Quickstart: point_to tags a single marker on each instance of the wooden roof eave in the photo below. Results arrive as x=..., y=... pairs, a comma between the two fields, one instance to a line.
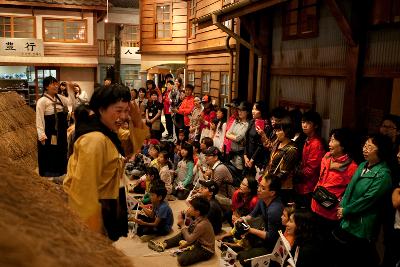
x=235, y=10
x=8, y=3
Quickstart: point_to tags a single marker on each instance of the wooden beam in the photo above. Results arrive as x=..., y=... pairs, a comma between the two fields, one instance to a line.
x=342, y=22
x=318, y=72
x=382, y=72
x=46, y=5
x=234, y=35
x=349, y=104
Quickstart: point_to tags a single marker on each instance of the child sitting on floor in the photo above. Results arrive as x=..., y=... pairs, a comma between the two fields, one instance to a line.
x=158, y=220
x=197, y=239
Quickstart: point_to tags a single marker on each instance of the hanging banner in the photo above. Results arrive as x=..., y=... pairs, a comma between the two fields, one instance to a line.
x=21, y=47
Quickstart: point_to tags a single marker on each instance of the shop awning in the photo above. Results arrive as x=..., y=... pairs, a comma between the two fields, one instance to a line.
x=238, y=9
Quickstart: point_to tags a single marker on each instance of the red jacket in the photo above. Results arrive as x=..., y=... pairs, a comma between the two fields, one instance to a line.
x=240, y=204
x=313, y=151
x=186, y=108
x=167, y=102
x=335, y=175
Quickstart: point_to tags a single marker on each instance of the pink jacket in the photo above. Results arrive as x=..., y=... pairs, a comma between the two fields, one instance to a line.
x=313, y=151
x=335, y=175
x=228, y=142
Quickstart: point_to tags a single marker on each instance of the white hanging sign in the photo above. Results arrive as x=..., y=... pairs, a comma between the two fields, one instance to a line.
x=21, y=47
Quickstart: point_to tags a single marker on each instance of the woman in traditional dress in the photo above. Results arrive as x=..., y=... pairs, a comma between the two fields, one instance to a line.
x=51, y=125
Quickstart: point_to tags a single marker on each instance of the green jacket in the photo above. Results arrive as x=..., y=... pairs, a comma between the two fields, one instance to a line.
x=362, y=200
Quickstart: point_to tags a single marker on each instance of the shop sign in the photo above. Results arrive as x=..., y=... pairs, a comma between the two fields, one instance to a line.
x=21, y=47
x=129, y=52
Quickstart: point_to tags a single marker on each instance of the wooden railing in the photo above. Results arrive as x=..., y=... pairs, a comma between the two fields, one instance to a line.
x=107, y=47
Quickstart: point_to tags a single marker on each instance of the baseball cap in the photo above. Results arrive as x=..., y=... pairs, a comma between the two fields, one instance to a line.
x=212, y=151
x=211, y=185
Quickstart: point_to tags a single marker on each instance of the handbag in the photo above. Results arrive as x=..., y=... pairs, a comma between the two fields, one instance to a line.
x=324, y=197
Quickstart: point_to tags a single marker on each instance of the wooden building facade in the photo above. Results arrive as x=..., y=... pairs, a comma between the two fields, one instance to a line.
x=339, y=57
x=169, y=35
x=40, y=38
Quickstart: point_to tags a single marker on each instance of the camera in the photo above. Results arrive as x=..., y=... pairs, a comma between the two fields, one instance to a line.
x=241, y=228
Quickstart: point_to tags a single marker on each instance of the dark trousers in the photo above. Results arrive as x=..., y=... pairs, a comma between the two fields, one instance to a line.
x=169, y=124
x=392, y=249
x=190, y=256
x=353, y=251
x=251, y=253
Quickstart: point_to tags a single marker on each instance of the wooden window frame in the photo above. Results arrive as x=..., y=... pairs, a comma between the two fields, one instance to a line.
x=202, y=82
x=64, y=20
x=157, y=4
x=223, y=88
x=12, y=25
x=191, y=32
x=300, y=9
x=130, y=42
x=194, y=77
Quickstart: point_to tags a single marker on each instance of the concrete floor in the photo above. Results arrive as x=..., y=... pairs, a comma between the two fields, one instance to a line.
x=141, y=255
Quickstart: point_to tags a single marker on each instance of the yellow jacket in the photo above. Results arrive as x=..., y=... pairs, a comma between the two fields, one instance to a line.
x=94, y=172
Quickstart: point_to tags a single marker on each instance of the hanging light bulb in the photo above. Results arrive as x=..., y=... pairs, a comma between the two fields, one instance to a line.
x=106, y=20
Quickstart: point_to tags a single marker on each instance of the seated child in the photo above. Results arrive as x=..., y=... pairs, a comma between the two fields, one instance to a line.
x=151, y=176
x=165, y=170
x=198, y=237
x=158, y=220
x=184, y=180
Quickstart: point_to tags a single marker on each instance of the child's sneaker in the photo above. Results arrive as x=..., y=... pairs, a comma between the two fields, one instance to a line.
x=157, y=246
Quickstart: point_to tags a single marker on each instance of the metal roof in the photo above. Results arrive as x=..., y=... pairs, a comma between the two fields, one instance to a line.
x=125, y=3
x=59, y=3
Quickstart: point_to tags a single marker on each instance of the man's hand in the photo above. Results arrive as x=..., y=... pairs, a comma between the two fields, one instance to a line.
x=340, y=213
x=136, y=115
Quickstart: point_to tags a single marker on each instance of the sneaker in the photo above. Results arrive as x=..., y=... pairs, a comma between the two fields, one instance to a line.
x=156, y=245
x=147, y=238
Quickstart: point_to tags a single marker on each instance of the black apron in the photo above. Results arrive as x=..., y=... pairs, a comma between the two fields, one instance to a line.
x=52, y=156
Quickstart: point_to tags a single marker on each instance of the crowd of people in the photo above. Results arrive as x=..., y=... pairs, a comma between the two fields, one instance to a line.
x=259, y=172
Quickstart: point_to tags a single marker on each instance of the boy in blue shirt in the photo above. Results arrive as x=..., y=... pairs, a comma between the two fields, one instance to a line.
x=158, y=221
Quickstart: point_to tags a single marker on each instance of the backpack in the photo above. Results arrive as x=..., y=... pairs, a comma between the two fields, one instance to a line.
x=237, y=176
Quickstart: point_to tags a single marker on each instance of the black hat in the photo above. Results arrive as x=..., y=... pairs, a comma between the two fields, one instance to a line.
x=244, y=105
x=211, y=186
x=212, y=151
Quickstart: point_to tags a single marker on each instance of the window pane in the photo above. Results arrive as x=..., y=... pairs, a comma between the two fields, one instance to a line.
x=75, y=30
x=54, y=30
x=166, y=16
x=167, y=8
x=24, y=35
x=291, y=17
x=159, y=13
x=308, y=19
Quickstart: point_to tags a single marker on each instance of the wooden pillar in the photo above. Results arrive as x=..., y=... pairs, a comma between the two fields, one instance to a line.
x=250, y=81
x=117, y=73
x=349, y=117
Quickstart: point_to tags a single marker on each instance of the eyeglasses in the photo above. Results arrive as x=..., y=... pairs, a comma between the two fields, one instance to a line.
x=369, y=148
